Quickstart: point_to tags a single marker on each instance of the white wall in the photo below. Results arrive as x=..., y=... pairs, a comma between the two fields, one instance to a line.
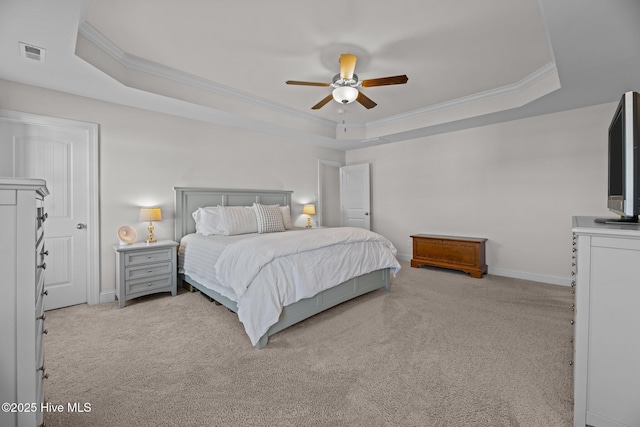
x=143, y=155
x=516, y=183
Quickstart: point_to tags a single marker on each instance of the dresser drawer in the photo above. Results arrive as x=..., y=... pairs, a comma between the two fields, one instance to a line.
x=151, y=284
x=143, y=257
x=150, y=270
x=39, y=283
x=39, y=304
x=39, y=343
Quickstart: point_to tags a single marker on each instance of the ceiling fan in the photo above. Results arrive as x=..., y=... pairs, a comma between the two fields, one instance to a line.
x=346, y=84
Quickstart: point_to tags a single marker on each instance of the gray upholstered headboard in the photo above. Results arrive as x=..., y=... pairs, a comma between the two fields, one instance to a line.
x=188, y=199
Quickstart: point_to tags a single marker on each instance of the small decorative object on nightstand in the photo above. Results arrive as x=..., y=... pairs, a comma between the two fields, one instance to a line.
x=309, y=210
x=127, y=235
x=150, y=214
x=143, y=269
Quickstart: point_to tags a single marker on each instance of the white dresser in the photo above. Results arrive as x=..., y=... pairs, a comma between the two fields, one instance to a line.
x=22, y=264
x=607, y=324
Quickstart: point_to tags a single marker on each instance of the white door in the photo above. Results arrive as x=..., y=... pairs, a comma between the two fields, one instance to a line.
x=60, y=155
x=355, y=196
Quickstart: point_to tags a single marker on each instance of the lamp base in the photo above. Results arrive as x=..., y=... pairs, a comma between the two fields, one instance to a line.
x=150, y=237
x=308, y=222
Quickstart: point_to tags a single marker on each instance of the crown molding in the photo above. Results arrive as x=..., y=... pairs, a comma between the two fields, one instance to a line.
x=502, y=98
x=537, y=76
x=136, y=63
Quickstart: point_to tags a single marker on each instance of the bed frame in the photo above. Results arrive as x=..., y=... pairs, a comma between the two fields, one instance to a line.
x=188, y=199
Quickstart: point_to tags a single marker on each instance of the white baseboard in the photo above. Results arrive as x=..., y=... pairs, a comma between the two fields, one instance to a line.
x=109, y=296
x=552, y=280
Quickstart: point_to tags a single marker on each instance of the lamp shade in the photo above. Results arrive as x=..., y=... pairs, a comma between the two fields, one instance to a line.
x=309, y=209
x=150, y=214
x=345, y=94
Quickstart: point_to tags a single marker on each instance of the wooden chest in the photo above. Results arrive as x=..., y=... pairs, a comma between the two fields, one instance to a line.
x=466, y=254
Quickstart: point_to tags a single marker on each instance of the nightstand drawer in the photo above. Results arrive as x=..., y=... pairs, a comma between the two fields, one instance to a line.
x=149, y=270
x=150, y=284
x=143, y=257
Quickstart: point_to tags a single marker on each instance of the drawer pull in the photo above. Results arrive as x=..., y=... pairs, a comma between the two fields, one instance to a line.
x=573, y=283
x=45, y=293
x=43, y=266
x=45, y=331
x=149, y=271
x=44, y=217
x=45, y=253
x=41, y=368
x=45, y=376
x=149, y=284
x=41, y=317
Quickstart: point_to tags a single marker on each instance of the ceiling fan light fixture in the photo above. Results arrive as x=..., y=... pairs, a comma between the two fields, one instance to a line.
x=345, y=94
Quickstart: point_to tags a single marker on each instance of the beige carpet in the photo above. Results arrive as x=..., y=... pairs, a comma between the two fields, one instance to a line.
x=438, y=349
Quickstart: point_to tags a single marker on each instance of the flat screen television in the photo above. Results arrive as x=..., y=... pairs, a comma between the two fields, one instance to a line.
x=624, y=159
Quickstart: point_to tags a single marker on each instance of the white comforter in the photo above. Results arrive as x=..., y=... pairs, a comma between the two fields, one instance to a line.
x=266, y=272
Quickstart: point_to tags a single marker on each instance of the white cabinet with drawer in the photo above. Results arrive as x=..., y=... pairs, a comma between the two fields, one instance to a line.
x=607, y=342
x=145, y=268
x=22, y=325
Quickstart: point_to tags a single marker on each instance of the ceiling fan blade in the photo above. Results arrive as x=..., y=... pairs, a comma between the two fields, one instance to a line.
x=365, y=101
x=323, y=102
x=383, y=81
x=295, y=82
x=347, y=66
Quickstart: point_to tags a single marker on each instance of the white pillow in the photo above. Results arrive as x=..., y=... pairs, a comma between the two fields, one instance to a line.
x=238, y=220
x=269, y=218
x=286, y=217
x=208, y=221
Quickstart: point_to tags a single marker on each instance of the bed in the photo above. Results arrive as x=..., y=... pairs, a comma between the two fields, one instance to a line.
x=190, y=199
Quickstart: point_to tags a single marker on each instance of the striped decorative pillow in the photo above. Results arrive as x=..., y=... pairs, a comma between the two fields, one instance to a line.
x=269, y=218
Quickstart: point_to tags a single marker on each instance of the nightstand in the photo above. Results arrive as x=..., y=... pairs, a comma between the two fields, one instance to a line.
x=144, y=269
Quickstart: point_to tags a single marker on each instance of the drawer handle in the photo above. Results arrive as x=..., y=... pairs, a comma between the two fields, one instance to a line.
x=150, y=271
x=45, y=331
x=41, y=317
x=41, y=368
x=44, y=217
x=149, y=284
x=46, y=253
x=45, y=293
x=43, y=266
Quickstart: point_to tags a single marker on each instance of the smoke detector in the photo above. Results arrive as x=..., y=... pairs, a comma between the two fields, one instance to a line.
x=32, y=52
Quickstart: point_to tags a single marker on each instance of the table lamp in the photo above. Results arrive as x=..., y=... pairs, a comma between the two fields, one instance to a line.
x=150, y=214
x=309, y=210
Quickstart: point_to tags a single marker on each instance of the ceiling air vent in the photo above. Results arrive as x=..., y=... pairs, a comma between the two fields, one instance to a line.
x=32, y=52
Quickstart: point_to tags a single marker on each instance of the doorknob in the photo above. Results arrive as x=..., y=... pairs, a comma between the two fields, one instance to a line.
x=81, y=226
x=366, y=213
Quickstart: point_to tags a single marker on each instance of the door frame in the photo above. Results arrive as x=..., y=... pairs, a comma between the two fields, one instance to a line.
x=93, y=200
x=322, y=162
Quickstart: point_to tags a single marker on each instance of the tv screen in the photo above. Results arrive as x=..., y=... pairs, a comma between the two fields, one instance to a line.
x=624, y=159
x=616, y=155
